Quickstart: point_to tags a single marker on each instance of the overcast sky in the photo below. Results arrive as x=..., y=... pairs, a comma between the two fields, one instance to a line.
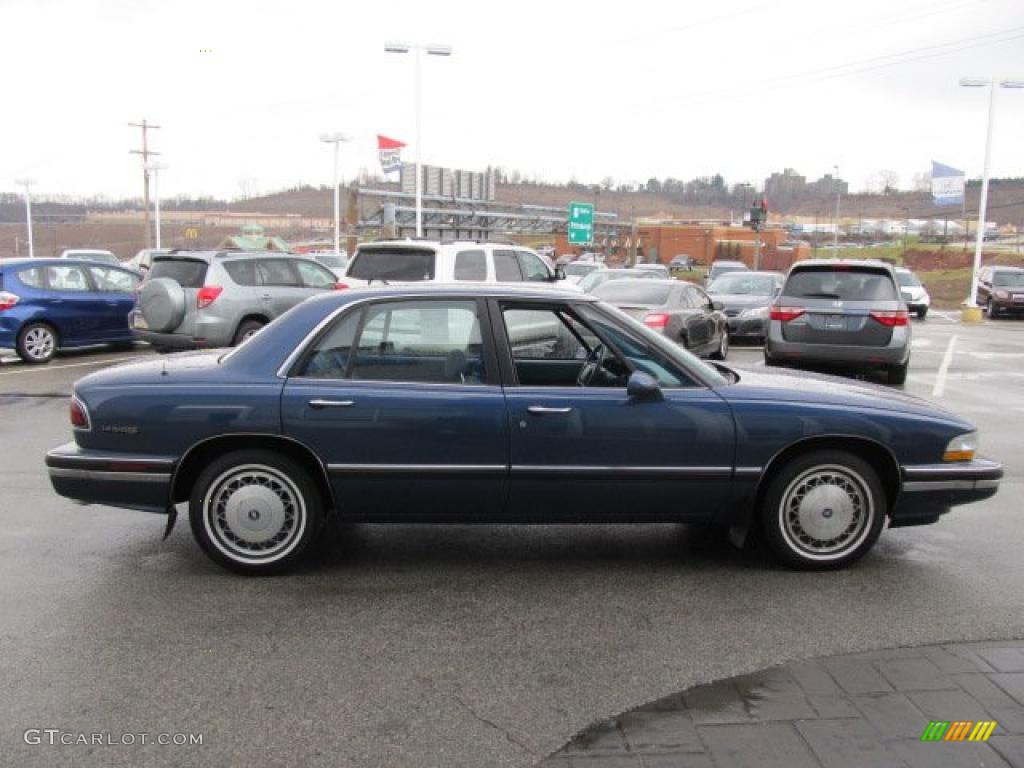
x=556, y=90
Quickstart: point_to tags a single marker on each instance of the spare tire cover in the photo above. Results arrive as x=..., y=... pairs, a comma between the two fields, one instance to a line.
x=162, y=302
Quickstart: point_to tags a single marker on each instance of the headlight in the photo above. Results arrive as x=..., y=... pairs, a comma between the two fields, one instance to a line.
x=961, y=448
x=756, y=312
x=1002, y=295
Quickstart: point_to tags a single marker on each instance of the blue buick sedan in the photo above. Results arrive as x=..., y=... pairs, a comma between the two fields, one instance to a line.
x=503, y=404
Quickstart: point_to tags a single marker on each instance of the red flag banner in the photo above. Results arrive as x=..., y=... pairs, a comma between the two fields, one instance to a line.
x=390, y=151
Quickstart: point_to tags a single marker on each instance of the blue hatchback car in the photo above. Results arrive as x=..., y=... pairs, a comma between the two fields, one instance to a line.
x=51, y=304
x=495, y=403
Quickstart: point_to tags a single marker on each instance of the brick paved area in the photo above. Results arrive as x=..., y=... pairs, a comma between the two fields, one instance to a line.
x=863, y=709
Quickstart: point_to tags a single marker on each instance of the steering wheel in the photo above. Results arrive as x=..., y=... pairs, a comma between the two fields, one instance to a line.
x=593, y=363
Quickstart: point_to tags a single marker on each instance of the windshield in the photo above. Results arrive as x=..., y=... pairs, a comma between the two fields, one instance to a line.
x=576, y=269
x=846, y=284
x=1008, y=279
x=651, y=293
x=907, y=280
x=393, y=264
x=737, y=282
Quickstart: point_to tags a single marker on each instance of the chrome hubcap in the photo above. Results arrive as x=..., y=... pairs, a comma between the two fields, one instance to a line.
x=39, y=343
x=254, y=513
x=826, y=512
x=724, y=347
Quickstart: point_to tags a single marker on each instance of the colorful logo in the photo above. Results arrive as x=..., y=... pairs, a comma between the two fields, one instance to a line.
x=958, y=730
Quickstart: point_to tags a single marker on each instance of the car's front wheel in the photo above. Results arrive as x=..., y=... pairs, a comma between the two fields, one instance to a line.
x=37, y=343
x=255, y=512
x=823, y=510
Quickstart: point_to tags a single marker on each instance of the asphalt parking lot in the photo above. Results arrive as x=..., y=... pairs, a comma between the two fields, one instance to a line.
x=454, y=645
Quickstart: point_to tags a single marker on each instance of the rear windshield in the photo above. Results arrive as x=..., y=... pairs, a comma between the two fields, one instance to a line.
x=720, y=268
x=1008, y=279
x=738, y=282
x=190, y=273
x=634, y=291
x=398, y=264
x=845, y=284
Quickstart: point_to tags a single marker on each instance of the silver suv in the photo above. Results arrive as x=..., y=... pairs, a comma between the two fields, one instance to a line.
x=204, y=299
x=417, y=261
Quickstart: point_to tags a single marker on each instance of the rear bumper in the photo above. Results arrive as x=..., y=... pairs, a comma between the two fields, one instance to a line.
x=206, y=332
x=123, y=480
x=896, y=352
x=930, y=490
x=742, y=327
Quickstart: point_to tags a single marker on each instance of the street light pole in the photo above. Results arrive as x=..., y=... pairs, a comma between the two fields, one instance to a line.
x=835, y=234
x=417, y=50
x=979, y=238
x=336, y=139
x=27, y=184
x=154, y=169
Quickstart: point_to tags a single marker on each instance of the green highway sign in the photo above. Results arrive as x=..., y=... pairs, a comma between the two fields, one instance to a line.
x=581, y=223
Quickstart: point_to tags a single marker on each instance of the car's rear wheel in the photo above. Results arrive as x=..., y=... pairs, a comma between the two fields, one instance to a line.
x=922, y=313
x=990, y=309
x=246, y=331
x=823, y=510
x=37, y=343
x=898, y=373
x=255, y=512
x=770, y=361
x=723, y=347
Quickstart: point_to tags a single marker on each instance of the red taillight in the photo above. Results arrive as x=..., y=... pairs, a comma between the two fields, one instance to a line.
x=207, y=295
x=656, y=320
x=891, y=317
x=785, y=314
x=7, y=300
x=79, y=418
x=341, y=286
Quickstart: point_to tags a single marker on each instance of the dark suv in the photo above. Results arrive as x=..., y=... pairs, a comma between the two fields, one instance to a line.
x=843, y=313
x=1001, y=290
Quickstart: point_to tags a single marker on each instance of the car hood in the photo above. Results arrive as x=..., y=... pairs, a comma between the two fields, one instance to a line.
x=785, y=385
x=741, y=300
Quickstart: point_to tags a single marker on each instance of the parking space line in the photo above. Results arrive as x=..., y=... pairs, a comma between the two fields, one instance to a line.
x=946, y=315
x=43, y=368
x=940, y=380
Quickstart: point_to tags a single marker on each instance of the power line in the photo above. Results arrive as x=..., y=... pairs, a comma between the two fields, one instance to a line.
x=145, y=152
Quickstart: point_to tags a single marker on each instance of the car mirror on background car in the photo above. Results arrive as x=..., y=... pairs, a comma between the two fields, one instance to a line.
x=559, y=273
x=643, y=386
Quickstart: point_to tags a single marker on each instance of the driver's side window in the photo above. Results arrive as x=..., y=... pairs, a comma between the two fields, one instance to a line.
x=550, y=347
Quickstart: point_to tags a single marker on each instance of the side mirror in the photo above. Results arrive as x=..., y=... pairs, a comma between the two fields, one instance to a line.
x=643, y=386
x=559, y=274
x=717, y=305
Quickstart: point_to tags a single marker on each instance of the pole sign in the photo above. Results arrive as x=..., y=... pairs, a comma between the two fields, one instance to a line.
x=581, y=223
x=947, y=185
x=390, y=152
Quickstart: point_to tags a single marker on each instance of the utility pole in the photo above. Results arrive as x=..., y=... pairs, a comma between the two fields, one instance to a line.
x=27, y=184
x=835, y=235
x=145, y=152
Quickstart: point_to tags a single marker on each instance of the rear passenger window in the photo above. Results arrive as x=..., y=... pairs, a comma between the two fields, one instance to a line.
x=33, y=278
x=330, y=356
x=471, y=265
x=506, y=267
x=67, y=278
x=420, y=341
x=275, y=272
x=113, y=280
x=242, y=272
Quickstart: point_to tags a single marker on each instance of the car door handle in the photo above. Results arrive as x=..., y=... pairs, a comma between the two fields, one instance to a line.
x=265, y=296
x=318, y=403
x=546, y=409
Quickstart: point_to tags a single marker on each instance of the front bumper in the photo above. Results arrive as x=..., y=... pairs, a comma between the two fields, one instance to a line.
x=930, y=490
x=131, y=481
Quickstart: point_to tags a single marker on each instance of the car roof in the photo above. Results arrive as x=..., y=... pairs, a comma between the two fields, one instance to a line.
x=462, y=290
x=87, y=250
x=210, y=256
x=1006, y=268
x=875, y=263
x=656, y=281
x=50, y=261
x=758, y=272
x=729, y=263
